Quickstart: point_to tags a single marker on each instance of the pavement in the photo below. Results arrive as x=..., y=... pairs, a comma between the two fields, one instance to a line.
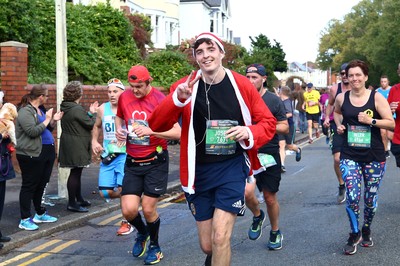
x=66, y=219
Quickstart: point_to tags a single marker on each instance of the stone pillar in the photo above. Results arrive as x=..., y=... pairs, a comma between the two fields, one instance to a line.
x=14, y=70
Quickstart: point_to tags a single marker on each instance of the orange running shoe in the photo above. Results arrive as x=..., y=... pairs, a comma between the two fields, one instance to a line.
x=125, y=229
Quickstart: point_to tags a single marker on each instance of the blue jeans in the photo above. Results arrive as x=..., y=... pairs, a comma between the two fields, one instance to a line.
x=302, y=121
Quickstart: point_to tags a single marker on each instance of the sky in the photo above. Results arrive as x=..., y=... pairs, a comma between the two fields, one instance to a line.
x=295, y=24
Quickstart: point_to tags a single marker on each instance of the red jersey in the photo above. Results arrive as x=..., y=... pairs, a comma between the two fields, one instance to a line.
x=394, y=96
x=131, y=108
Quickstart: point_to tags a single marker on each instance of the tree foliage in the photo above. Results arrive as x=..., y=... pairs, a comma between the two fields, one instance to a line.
x=99, y=39
x=141, y=31
x=167, y=66
x=271, y=56
x=370, y=33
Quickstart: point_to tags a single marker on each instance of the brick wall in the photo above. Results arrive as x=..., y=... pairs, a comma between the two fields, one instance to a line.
x=14, y=81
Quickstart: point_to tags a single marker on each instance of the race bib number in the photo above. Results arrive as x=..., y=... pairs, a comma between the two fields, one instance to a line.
x=216, y=142
x=109, y=127
x=132, y=137
x=359, y=136
x=266, y=160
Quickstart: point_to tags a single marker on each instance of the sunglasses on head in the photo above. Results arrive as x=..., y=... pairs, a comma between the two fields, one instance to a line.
x=343, y=73
x=113, y=81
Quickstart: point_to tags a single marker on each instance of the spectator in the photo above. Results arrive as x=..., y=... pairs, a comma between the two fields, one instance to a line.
x=35, y=154
x=7, y=171
x=75, y=142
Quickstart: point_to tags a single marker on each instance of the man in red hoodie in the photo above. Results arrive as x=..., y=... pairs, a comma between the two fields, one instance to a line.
x=224, y=122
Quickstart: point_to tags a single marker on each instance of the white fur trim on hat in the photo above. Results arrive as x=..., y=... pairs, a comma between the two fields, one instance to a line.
x=208, y=35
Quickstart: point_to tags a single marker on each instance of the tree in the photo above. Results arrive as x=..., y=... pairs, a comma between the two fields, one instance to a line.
x=100, y=44
x=271, y=56
x=370, y=33
x=141, y=31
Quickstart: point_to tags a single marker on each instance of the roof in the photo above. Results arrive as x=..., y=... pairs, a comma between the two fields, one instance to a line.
x=211, y=3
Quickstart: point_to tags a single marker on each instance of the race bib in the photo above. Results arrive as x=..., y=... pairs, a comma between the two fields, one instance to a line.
x=132, y=137
x=112, y=147
x=216, y=142
x=109, y=127
x=359, y=136
x=266, y=160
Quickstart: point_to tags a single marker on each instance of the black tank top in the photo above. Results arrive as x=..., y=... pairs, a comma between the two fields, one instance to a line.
x=376, y=151
x=339, y=89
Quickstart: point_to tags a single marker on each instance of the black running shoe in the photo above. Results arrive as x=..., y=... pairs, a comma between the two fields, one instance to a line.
x=366, y=237
x=351, y=247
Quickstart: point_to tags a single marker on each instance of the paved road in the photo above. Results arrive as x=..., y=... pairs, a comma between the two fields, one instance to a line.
x=315, y=228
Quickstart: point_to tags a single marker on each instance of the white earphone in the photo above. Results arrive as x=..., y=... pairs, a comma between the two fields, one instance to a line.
x=263, y=80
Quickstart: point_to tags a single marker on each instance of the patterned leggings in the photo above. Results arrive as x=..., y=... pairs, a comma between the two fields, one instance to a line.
x=352, y=174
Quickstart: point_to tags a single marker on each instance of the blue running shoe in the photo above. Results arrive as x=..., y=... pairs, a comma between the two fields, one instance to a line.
x=44, y=218
x=140, y=245
x=154, y=255
x=275, y=240
x=28, y=224
x=255, y=230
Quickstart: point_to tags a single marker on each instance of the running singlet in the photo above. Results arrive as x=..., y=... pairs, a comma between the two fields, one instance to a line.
x=362, y=143
x=109, y=139
x=132, y=109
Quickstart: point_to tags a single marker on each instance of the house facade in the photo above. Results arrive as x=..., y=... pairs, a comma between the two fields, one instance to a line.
x=164, y=16
x=320, y=78
x=205, y=16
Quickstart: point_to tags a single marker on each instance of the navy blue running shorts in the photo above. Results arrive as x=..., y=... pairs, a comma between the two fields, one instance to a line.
x=219, y=185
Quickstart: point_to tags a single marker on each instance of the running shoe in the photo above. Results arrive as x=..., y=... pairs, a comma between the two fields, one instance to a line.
x=341, y=194
x=298, y=155
x=125, y=229
x=351, y=247
x=317, y=134
x=140, y=246
x=310, y=141
x=28, y=224
x=387, y=154
x=154, y=255
x=275, y=240
x=283, y=169
x=255, y=230
x=366, y=237
x=44, y=218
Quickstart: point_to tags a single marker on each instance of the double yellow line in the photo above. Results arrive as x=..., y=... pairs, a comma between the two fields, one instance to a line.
x=162, y=204
x=38, y=249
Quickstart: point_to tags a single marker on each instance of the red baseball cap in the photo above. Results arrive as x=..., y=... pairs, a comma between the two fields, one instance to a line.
x=138, y=74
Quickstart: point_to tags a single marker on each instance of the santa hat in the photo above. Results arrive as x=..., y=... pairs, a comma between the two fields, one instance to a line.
x=209, y=35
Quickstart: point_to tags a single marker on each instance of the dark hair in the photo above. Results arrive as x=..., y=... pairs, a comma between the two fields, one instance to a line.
x=384, y=77
x=207, y=41
x=72, y=91
x=36, y=92
x=358, y=63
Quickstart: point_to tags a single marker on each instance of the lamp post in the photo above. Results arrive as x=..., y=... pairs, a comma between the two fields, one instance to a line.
x=62, y=80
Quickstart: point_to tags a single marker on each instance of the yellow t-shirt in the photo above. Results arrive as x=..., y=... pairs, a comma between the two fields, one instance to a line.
x=313, y=96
